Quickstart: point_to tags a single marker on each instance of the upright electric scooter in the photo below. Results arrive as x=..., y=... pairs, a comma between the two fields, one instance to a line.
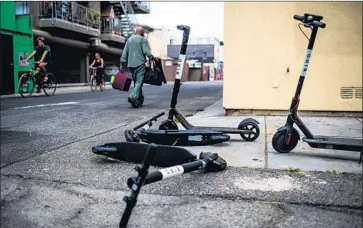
x=286, y=137
x=168, y=132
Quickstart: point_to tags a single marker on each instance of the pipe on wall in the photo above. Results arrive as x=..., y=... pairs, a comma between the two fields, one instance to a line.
x=112, y=50
x=76, y=43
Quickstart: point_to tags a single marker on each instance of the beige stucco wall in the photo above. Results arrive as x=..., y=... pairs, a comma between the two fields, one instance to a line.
x=158, y=41
x=262, y=40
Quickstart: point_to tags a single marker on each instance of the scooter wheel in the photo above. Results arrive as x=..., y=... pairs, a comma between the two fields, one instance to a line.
x=168, y=125
x=130, y=136
x=252, y=127
x=278, y=141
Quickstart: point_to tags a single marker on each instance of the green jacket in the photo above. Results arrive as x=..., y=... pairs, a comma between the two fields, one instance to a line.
x=135, y=52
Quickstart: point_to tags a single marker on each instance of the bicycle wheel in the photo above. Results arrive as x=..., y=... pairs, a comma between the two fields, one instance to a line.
x=93, y=83
x=102, y=84
x=26, y=85
x=50, y=85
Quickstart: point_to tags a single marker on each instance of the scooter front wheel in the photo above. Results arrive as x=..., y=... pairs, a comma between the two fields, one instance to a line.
x=130, y=136
x=168, y=125
x=278, y=141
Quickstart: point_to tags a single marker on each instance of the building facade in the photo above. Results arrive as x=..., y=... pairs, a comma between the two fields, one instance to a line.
x=202, y=53
x=267, y=54
x=16, y=42
x=75, y=31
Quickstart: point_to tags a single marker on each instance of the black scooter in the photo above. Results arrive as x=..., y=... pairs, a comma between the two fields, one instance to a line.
x=286, y=137
x=168, y=133
x=207, y=162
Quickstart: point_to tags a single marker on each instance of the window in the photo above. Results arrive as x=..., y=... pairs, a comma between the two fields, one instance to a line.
x=21, y=8
x=205, y=55
x=193, y=54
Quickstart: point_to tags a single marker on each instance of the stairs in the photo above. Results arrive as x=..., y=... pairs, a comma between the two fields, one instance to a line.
x=124, y=11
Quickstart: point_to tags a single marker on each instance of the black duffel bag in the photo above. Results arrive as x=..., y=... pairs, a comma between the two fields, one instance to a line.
x=154, y=74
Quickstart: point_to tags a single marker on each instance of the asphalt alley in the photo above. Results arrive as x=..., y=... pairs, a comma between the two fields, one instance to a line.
x=35, y=125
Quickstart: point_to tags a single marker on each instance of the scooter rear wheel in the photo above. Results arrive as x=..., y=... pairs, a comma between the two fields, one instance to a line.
x=278, y=141
x=168, y=125
x=249, y=126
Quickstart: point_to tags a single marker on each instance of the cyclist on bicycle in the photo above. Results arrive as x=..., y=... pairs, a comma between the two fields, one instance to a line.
x=98, y=63
x=42, y=59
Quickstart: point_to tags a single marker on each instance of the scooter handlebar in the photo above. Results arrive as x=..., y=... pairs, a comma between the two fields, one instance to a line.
x=183, y=27
x=318, y=24
x=311, y=19
x=298, y=17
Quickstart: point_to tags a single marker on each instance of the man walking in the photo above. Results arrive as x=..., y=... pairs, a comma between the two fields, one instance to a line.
x=134, y=56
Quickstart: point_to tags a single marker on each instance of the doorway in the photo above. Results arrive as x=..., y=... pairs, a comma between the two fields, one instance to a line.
x=6, y=65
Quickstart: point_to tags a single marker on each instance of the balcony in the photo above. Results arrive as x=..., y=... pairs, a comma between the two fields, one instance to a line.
x=141, y=7
x=111, y=30
x=69, y=16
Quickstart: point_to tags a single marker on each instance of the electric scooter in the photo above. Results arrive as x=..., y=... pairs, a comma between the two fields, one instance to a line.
x=134, y=152
x=169, y=134
x=207, y=162
x=286, y=137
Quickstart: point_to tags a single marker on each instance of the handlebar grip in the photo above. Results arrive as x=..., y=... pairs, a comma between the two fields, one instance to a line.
x=319, y=24
x=183, y=27
x=298, y=17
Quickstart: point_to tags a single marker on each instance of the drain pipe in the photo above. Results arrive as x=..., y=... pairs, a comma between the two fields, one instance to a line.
x=112, y=50
x=76, y=43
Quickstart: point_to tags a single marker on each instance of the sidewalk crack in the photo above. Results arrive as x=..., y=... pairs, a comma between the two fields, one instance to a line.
x=265, y=149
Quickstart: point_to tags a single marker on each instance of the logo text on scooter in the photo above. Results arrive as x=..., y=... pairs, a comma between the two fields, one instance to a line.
x=306, y=62
x=180, y=68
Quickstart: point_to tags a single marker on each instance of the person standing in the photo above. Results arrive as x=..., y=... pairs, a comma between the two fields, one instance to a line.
x=134, y=57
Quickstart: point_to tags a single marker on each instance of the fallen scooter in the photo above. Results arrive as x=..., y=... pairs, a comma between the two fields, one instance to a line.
x=133, y=152
x=169, y=134
x=207, y=162
x=286, y=137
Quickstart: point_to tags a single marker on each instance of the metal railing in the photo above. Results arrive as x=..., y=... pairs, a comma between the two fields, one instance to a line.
x=145, y=5
x=111, y=26
x=71, y=12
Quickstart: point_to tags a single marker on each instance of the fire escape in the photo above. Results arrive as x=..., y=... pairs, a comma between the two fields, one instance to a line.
x=125, y=11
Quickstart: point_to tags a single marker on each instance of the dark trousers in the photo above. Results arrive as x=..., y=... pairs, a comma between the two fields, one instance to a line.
x=138, y=78
x=99, y=74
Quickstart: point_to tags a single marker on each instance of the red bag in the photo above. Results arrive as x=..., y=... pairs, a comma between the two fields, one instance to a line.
x=121, y=82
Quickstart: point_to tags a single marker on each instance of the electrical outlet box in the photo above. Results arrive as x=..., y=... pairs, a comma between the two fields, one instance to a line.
x=275, y=83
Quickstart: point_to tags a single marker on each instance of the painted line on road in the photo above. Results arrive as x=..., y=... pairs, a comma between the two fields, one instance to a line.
x=45, y=105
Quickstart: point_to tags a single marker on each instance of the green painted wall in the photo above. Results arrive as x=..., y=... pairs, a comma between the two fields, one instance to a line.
x=21, y=30
x=7, y=15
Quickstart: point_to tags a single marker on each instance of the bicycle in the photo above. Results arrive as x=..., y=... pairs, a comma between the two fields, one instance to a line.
x=27, y=83
x=93, y=80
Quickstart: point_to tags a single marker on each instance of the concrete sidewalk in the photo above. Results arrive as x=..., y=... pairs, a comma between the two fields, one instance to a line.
x=260, y=154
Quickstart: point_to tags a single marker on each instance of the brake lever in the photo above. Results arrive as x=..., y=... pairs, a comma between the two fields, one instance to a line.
x=307, y=25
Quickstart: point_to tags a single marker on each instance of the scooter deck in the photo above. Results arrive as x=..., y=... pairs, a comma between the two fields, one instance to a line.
x=226, y=130
x=336, y=143
x=194, y=131
x=193, y=137
x=135, y=152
